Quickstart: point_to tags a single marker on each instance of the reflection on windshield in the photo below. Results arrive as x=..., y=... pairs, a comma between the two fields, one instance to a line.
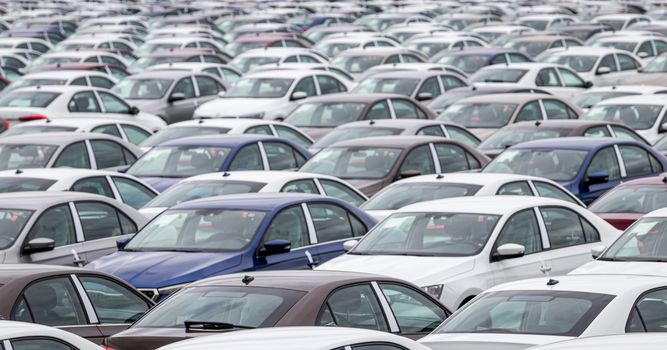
x=260, y=88
x=353, y=163
x=179, y=161
x=557, y=165
x=638, y=117
x=645, y=240
x=479, y=115
x=326, y=115
x=142, y=89
x=357, y=64
x=633, y=199
x=387, y=85
x=400, y=195
x=191, y=190
x=504, y=138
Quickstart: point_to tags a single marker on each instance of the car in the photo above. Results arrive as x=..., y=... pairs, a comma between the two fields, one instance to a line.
x=546, y=21
x=643, y=113
x=595, y=95
x=491, y=32
x=653, y=73
x=645, y=47
x=176, y=56
x=176, y=42
x=553, y=78
x=271, y=94
x=227, y=73
x=122, y=187
x=622, y=21
x=255, y=57
x=600, y=65
x=437, y=42
x=372, y=163
x=237, y=233
x=167, y=163
x=17, y=335
x=445, y=100
x=484, y=115
x=461, y=20
x=63, y=77
x=307, y=298
x=420, y=85
x=32, y=44
x=249, y=42
x=80, y=56
x=51, y=102
x=345, y=76
x=534, y=45
x=335, y=44
x=513, y=134
x=357, y=61
x=318, y=33
x=98, y=42
x=565, y=307
x=117, y=72
x=584, y=30
x=171, y=95
x=255, y=29
x=382, y=21
x=431, y=187
x=413, y=67
x=456, y=248
x=471, y=60
x=586, y=166
x=650, y=341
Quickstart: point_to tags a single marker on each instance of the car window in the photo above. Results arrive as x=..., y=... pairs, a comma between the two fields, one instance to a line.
x=430, y=86
x=208, y=86
x=113, y=104
x=301, y=186
x=625, y=134
x=518, y=188
x=522, y=228
x=550, y=191
x=39, y=343
x=109, y=129
x=113, y=303
x=329, y=85
x=564, y=227
x=626, y=62
x=51, y=302
x=383, y=346
x=636, y=160
x=306, y=85
x=55, y=223
x=406, y=110
x=597, y=131
x=392, y=59
x=408, y=58
x=547, y=77
x=379, y=110
x=73, y=156
x=453, y=158
x=108, y=154
x=291, y=59
x=414, y=312
x=280, y=156
x=185, y=87
x=609, y=62
x=79, y=82
x=292, y=135
x=420, y=160
x=530, y=111
x=84, y=101
x=259, y=130
x=132, y=193
x=461, y=135
x=499, y=59
x=101, y=82
x=605, y=162
x=647, y=48
x=307, y=59
x=648, y=313
x=100, y=220
x=247, y=158
x=450, y=82
x=516, y=58
x=213, y=71
x=134, y=134
x=570, y=79
x=660, y=46
x=354, y=306
x=112, y=60
x=289, y=225
x=558, y=110
x=337, y=190
x=434, y=130
x=95, y=185
x=331, y=222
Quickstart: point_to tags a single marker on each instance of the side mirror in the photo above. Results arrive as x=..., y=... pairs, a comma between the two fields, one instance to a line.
x=222, y=93
x=597, y=251
x=509, y=251
x=348, y=245
x=603, y=71
x=642, y=54
x=299, y=95
x=663, y=127
x=277, y=246
x=121, y=243
x=177, y=96
x=423, y=96
x=640, y=69
x=588, y=84
x=38, y=245
x=599, y=177
x=409, y=173
x=134, y=110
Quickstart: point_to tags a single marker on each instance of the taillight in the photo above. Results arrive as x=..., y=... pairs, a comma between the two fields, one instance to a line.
x=7, y=124
x=106, y=347
x=27, y=118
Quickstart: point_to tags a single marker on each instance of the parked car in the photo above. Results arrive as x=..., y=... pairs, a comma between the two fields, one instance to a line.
x=63, y=77
x=421, y=85
x=645, y=47
x=471, y=60
x=176, y=56
x=601, y=66
x=650, y=341
x=534, y=45
x=227, y=73
x=596, y=95
x=256, y=57
x=20, y=335
x=357, y=61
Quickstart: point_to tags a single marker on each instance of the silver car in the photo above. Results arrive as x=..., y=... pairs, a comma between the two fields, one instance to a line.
x=62, y=228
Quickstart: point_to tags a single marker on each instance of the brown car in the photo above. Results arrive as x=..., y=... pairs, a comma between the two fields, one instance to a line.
x=372, y=163
x=91, y=304
x=285, y=298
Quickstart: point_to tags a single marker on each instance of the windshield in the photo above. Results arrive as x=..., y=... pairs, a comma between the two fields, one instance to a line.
x=16, y=184
x=621, y=45
x=445, y=100
x=353, y=162
x=504, y=138
x=402, y=194
x=556, y=164
x=14, y=156
x=198, y=230
x=173, y=133
x=548, y=312
x=240, y=306
x=180, y=161
x=632, y=199
x=332, y=49
x=530, y=48
x=429, y=49
x=11, y=225
x=645, y=240
x=325, y=115
x=344, y=134
x=657, y=65
x=580, y=64
x=142, y=89
x=638, y=117
x=190, y=190
x=479, y=115
x=28, y=99
x=468, y=63
x=245, y=64
x=260, y=88
x=357, y=64
x=500, y=75
x=386, y=85
x=590, y=99
x=617, y=24
x=428, y=234
x=535, y=23
x=35, y=129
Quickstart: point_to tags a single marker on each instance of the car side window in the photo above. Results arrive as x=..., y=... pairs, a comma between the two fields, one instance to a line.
x=51, y=302
x=337, y=190
x=414, y=312
x=420, y=160
x=301, y=186
x=132, y=193
x=108, y=154
x=522, y=228
x=134, y=134
x=40, y=343
x=55, y=223
x=558, y=110
x=499, y=59
x=331, y=222
x=280, y=156
x=109, y=129
x=597, y=131
x=329, y=85
x=247, y=158
x=307, y=59
x=570, y=79
x=636, y=160
x=84, y=101
x=452, y=158
x=101, y=82
x=660, y=46
x=605, y=162
x=393, y=59
x=408, y=58
x=73, y=156
x=259, y=130
x=564, y=227
x=112, y=60
x=647, y=48
x=434, y=130
x=289, y=225
x=450, y=82
x=213, y=71
x=550, y=191
x=95, y=185
x=430, y=86
x=516, y=58
x=529, y=112
x=380, y=110
x=626, y=134
x=79, y=82
x=461, y=135
x=383, y=346
x=648, y=313
x=100, y=220
x=208, y=86
x=518, y=188
x=608, y=62
x=113, y=104
x=626, y=62
x=405, y=110
x=292, y=135
x=547, y=77
x=354, y=306
x=185, y=87
x=306, y=85
x=113, y=303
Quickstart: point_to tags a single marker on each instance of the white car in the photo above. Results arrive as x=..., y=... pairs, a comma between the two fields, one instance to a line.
x=600, y=65
x=494, y=31
x=456, y=248
x=82, y=56
x=31, y=44
x=556, y=79
x=29, y=336
x=622, y=20
x=645, y=114
x=52, y=102
x=174, y=42
x=595, y=95
x=109, y=42
x=269, y=95
x=547, y=310
x=641, y=249
x=235, y=182
x=639, y=341
x=257, y=57
x=225, y=72
x=430, y=46
x=645, y=47
x=334, y=44
x=300, y=338
x=63, y=77
x=546, y=22
x=431, y=187
x=121, y=187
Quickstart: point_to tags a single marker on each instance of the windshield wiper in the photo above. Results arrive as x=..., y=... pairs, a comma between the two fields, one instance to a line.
x=195, y=326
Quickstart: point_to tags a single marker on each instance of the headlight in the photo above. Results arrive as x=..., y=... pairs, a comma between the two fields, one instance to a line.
x=171, y=289
x=434, y=290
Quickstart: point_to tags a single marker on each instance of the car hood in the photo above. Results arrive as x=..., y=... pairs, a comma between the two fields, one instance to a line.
x=487, y=341
x=164, y=268
x=160, y=184
x=420, y=270
x=366, y=186
x=316, y=133
x=237, y=107
x=622, y=267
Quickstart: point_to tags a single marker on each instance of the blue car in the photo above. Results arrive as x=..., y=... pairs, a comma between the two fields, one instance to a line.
x=229, y=234
x=473, y=59
x=167, y=163
x=588, y=167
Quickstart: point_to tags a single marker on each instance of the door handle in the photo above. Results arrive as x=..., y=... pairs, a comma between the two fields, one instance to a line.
x=545, y=268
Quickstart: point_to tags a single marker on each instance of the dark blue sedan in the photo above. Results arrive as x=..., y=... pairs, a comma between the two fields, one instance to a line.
x=586, y=166
x=229, y=234
x=471, y=60
x=164, y=165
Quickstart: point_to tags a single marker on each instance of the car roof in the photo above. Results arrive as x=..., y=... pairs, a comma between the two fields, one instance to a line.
x=402, y=142
x=264, y=176
x=394, y=123
x=347, y=97
x=560, y=124
x=480, y=179
x=493, y=205
x=373, y=51
x=634, y=99
x=612, y=284
x=589, y=51
x=58, y=173
x=477, y=51
x=646, y=89
x=224, y=122
x=250, y=201
x=576, y=143
x=505, y=98
x=284, y=73
x=157, y=74
x=78, y=122
x=57, y=88
x=55, y=138
x=532, y=38
x=523, y=65
x=219, y=140
x=275, y=51
x=64, y=74
x=419, y=74
x=644, y=341
x=34, y=200
x=629, y=38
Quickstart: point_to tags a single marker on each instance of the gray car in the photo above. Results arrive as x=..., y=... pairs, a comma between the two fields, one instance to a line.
x=62, y=228
x=172, y=95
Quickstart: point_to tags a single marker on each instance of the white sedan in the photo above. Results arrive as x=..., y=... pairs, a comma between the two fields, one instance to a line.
x=643, y=341
x=21, y=335
x=300, y=338
x=548, y=310
x=431, y=187
x=456, y=248
x=600, y=65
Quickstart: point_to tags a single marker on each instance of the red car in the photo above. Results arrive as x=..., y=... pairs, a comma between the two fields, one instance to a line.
x=629, y=201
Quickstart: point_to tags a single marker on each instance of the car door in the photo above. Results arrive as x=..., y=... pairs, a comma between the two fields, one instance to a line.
x=134, y=134
x=93, y=184
x=333, y=225
x=604, y=162
x=379, y=110
x=101, y=224
x=56, y=223
x=83, y=102
x=453, y=158
x=74, y=156
x=289, y=224
x=132, y=192
x=110, y=154
x=355, y=306
x=555, y=109
x=605, y=79
x=281, y=156
x=181, y=109
x=248, y=157
x=628, y=67
x=208, y=89
x=38, y=343
x=341, y=191
x=418, y=162
x=292, y=134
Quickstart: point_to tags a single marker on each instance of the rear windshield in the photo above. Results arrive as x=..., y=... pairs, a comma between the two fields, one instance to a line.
x=12, y=184
x=35, y=129
x=28, y=99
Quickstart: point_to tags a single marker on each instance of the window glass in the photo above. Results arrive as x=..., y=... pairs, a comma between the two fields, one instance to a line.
x=660, y=46
x=84, y=101
x=331, y=222
x=329, y=85
x=563, y=227
x=73, y=156
x=636, y=160
x=109, y=129
x=452, y=158
x=101, y=82
x=522, y=228
x=648, y=314
x=134, y=134
x=550, y=191
x=307, y=59
x=414, y=312
x=108, y=154
x=597, y=131
x=530, y=111
x=499, y=59
x=419, y=159
x=625, y=134
x=461, y=135
x=98, y=220
x=306, y=85
x=280, y=156
x=247, y=158
x=646, y=48
x=112, y=60
x=79, y=82
x=515, y=58
x=208, y=86
x=289, y=225
x=55, y=223
x=53, y=302
x=377, y=347
x=39, y=344
x=185, y=87
x=626, y=62
x=132, y=193
x=392, y=59
x=340, y=191
x=356, y=307
x=379, y=110
x=609, y=62
x=113, y=303
x=430, y=86
x=407, y=58
x=94, y=185
x=605, y=162
x=292, y=135
x=301, y=186
x=450, y=82
x=434, y=130
x=558, y=110
x=519, y=188
x=259, y=130
x=213, y=71
x=547, y=77
x=570, y=79
x=113, y=104
x=405, y=110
